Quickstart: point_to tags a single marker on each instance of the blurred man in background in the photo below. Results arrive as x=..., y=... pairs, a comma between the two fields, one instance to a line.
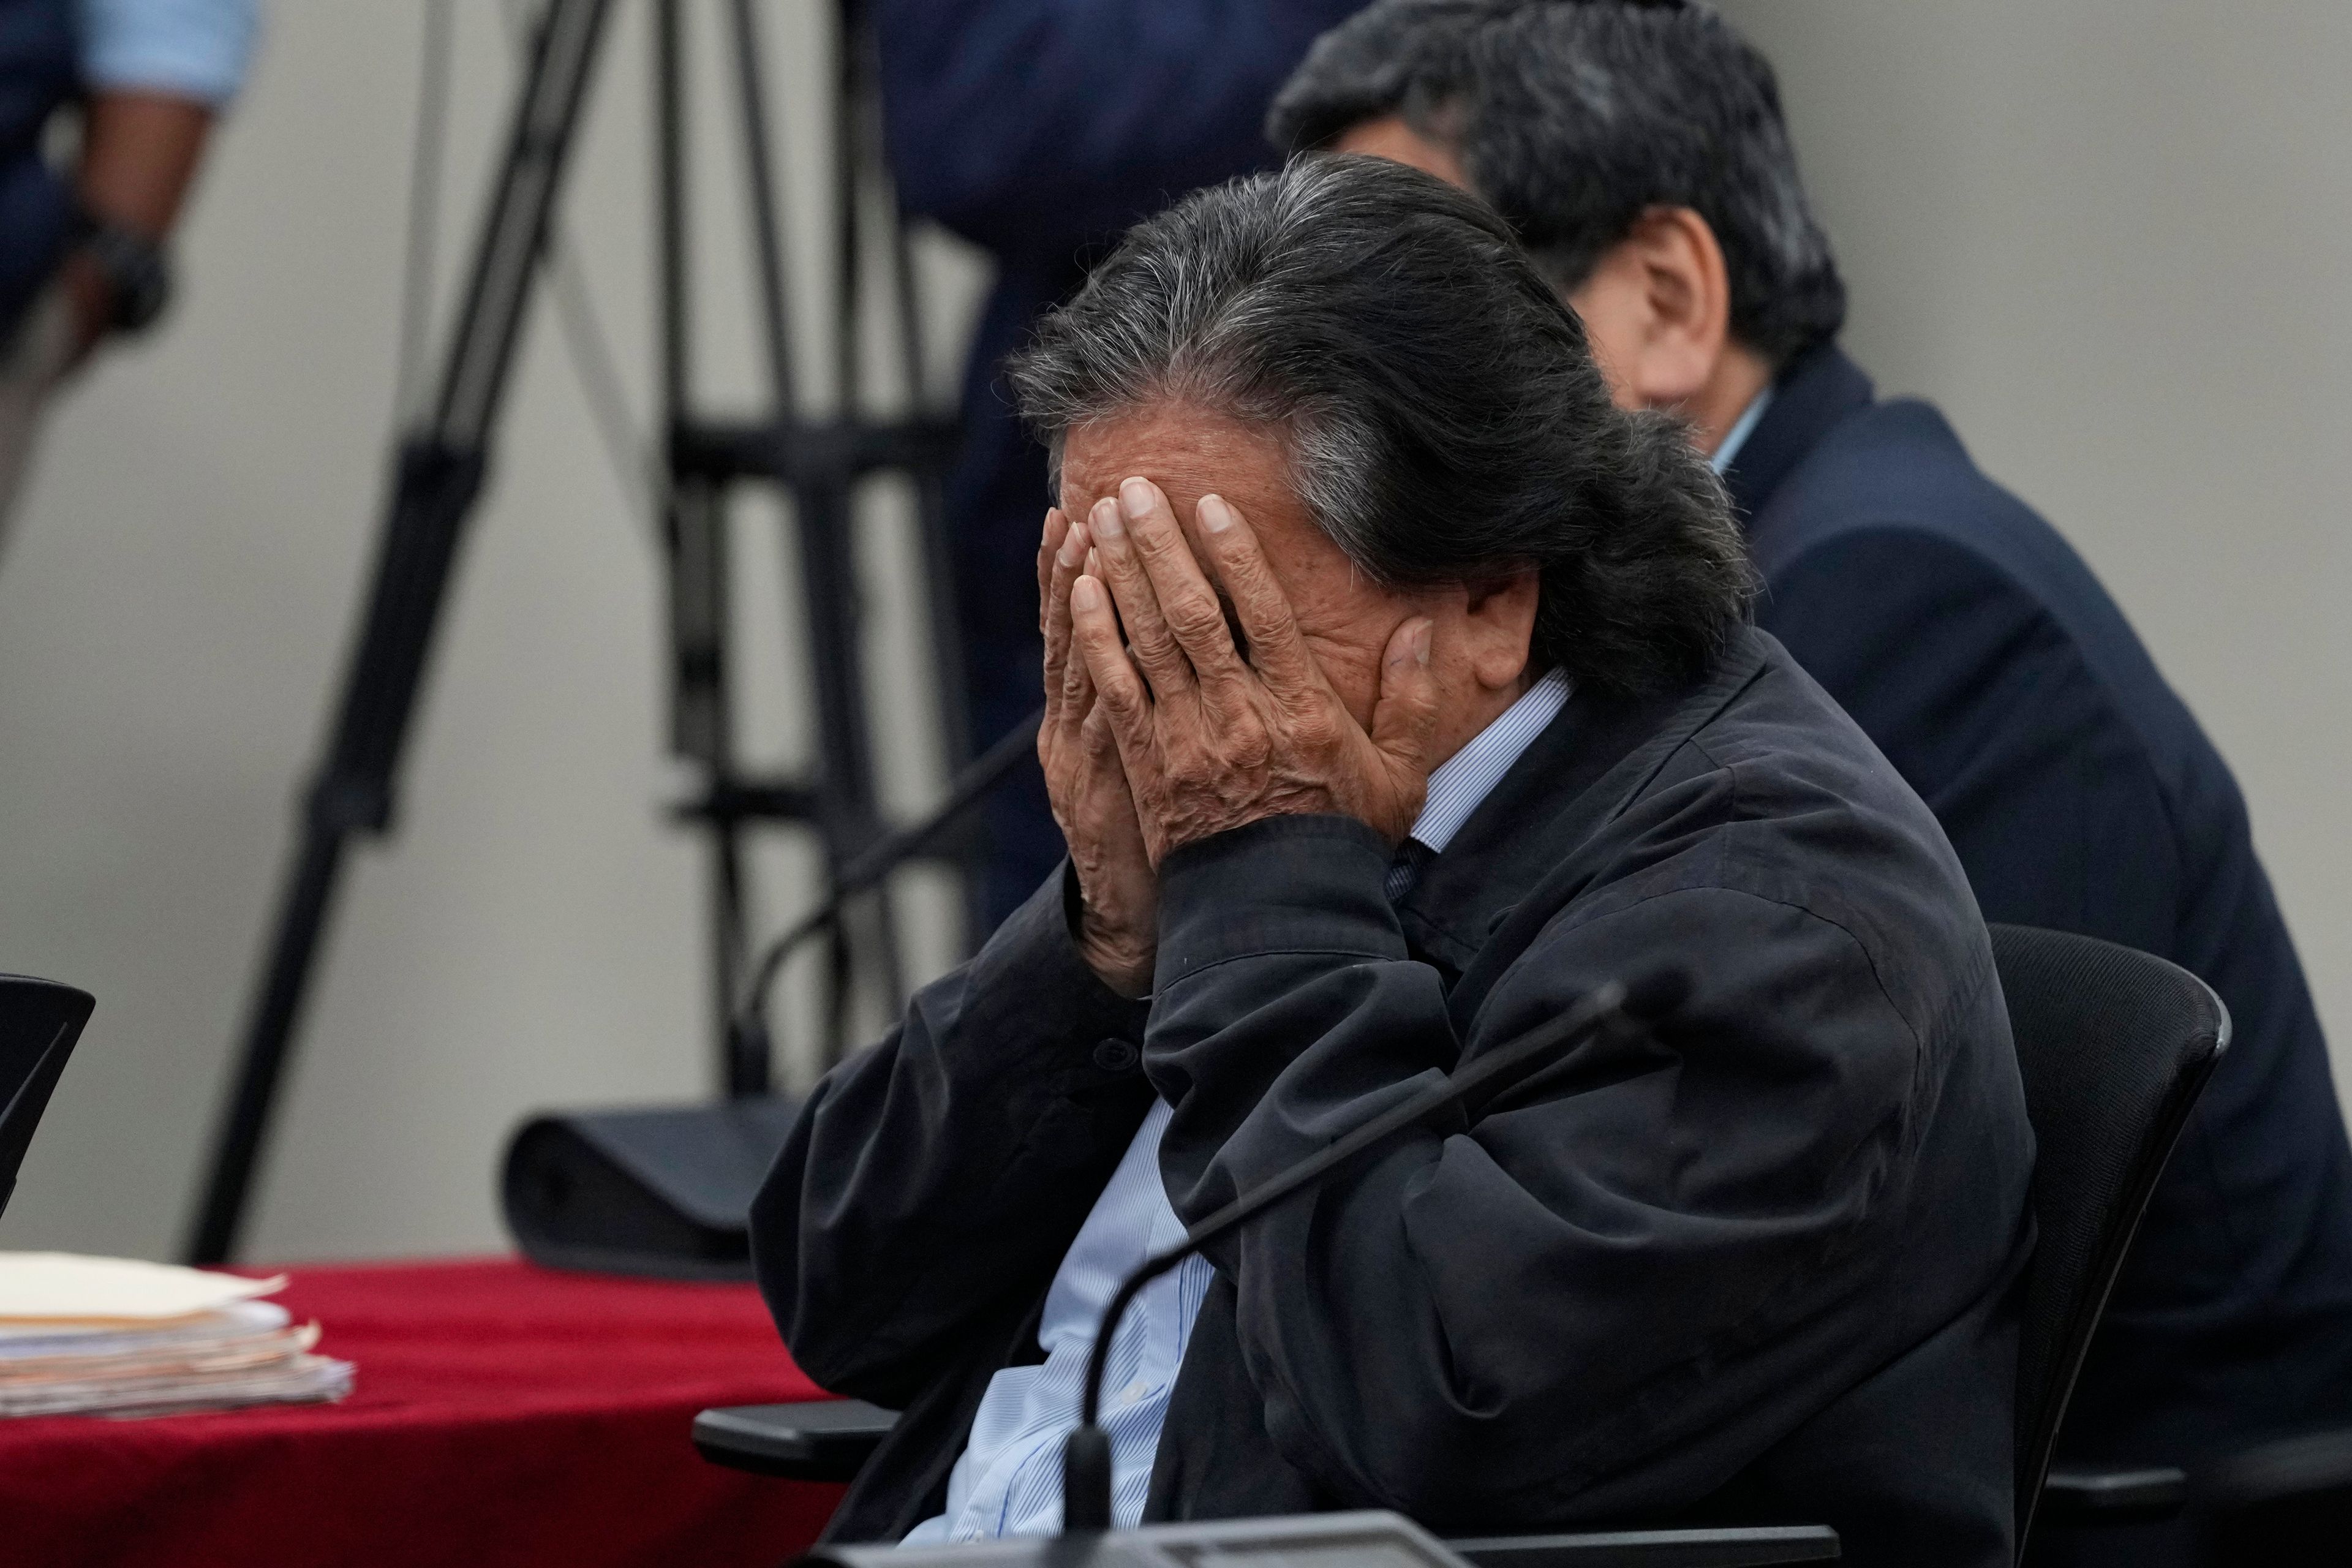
x=1641, y=154
x=81, y=248
x=1040, y=130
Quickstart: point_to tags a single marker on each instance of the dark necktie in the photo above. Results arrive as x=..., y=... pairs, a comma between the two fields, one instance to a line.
x=1412, y=857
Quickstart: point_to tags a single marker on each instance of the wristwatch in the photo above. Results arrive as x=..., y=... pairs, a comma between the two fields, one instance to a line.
x=137, y=271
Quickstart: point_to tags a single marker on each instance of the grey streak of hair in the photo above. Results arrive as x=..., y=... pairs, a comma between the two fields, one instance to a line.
x=1440, y=413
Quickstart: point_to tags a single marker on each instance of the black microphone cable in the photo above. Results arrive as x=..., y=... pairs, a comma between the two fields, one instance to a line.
x=1612, y=1004
x=978, y=778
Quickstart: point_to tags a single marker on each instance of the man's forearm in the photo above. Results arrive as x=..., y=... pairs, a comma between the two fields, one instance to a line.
x=929, y=1176
x=139, y=156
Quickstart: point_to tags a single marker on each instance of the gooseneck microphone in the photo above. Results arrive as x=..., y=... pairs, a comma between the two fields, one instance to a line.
x=1612, y=1005
x=873, y=863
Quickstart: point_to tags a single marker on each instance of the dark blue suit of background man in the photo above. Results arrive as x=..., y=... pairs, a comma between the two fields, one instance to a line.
x=1641, y=152
x=1040, y=130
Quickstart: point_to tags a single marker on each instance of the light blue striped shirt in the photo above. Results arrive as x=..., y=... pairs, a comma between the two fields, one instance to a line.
x=1008, y=1481
x=1470, y=775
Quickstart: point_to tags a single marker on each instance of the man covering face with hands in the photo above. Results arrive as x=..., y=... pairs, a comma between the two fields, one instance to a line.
x=1400, y=692
x=1212, y=741
x=1186, y=691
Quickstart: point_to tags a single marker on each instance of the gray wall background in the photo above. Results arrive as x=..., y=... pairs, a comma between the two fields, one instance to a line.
x=2110, y=239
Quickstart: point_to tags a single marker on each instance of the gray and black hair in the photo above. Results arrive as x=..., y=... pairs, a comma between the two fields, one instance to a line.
x=1443, y=419
x=1573, y=117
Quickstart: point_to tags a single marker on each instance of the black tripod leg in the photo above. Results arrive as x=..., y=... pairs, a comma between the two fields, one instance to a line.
x=702, y=728
x=353, y=794
x=438, y=478
x=702, y=725
x=861, y=127
x=940, y=602
x=849, y=815
x=301, y=915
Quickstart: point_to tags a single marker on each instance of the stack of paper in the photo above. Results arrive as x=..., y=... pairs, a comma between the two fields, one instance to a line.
x=111, y=1336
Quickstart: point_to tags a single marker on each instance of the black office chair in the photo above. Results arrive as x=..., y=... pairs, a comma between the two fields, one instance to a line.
x=39, y=1022
x=2114, y=1046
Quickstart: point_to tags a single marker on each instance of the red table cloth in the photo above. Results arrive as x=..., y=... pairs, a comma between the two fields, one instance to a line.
x=504, y=1414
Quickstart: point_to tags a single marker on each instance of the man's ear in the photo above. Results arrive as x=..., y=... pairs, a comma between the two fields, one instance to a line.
x=1498, y=625
x=1657, y=309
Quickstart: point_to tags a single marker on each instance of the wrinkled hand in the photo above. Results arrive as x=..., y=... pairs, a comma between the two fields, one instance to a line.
x=1118, y=891
x=1208, y=739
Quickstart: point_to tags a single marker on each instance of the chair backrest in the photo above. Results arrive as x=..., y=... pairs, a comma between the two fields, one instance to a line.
x=2115, y=1046
x=39, y=1022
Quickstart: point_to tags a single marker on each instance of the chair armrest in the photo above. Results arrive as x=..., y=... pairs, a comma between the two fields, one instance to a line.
x=2080, y=1496
x=1750, y=1548
x=822, y=1440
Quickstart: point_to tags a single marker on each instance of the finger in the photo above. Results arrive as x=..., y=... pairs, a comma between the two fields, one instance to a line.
x=1156, y=651
x=1058, y=528
x=1054, y=613
x=1100, y=740
x=1118, y=688
x=1049, y=540
x=1101, y=743
x=1187, y=603
x=1276, y=650
x=1068, y=561
x=1077, y=695
x=1094, y=569
x=1405, y=717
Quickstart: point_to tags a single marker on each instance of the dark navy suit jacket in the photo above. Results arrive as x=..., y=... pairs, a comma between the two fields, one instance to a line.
x=39, y=73
x=1987, y=662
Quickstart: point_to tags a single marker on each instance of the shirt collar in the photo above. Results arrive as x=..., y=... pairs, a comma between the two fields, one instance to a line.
x=1741, y=428
x=1470, y=775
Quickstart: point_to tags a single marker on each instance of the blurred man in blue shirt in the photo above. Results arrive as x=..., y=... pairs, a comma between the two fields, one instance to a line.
x=1040, y=130
x=81, y=249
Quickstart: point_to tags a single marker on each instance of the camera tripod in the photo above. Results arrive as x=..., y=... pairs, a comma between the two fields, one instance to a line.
x=437, y=477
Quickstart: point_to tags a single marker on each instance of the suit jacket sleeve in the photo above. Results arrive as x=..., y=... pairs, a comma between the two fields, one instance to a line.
x=1037, y=126
x=950, y=1165
x=1989, y=709
x=1484, y=1320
